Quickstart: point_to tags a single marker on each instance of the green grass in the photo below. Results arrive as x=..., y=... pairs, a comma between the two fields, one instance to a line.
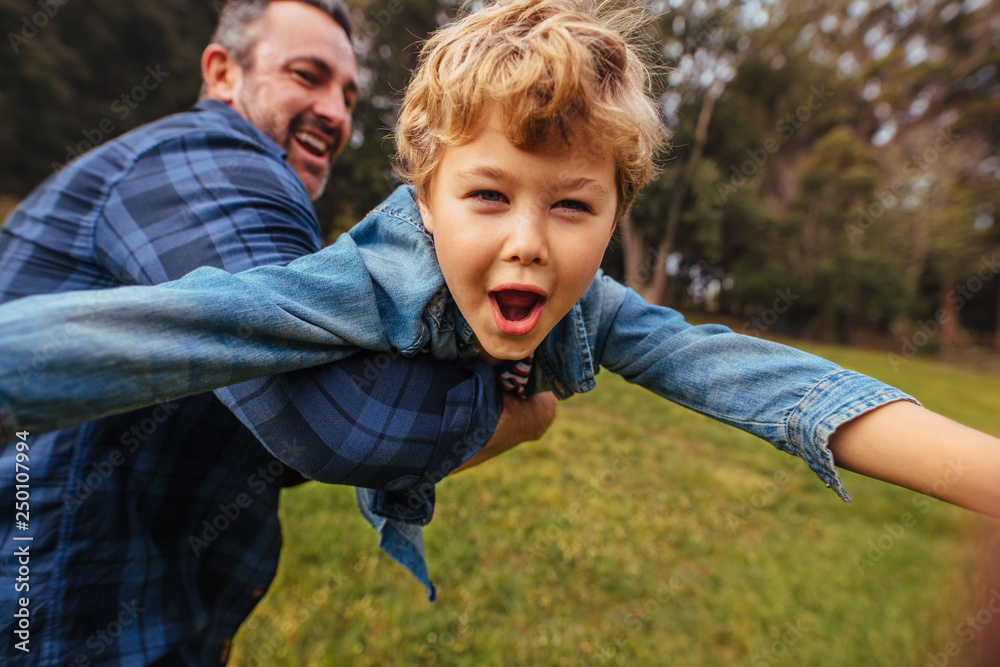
x=639, y=533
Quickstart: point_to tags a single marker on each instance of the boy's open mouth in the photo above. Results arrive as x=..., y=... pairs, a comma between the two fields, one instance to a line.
x=515, y=311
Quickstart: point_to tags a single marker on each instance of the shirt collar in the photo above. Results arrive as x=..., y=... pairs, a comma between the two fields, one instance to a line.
x=240, y=124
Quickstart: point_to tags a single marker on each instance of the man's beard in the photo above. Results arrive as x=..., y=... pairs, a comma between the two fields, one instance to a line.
x=322, y=185
x=281, y=131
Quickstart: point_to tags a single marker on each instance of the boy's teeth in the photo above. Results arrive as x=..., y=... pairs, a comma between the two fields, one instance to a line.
x=312, y=141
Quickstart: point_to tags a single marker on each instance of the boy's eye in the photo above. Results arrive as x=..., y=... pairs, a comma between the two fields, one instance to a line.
x=488, y=196
x=573, y=205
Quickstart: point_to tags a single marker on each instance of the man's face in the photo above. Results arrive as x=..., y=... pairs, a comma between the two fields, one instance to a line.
x=519, y=234
x=301, y=88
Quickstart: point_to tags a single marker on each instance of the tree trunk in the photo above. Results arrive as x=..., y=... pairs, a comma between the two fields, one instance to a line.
x=656, y=292
x=996, y=337
x=951, y=329
x=920, y=250
x=636, y=270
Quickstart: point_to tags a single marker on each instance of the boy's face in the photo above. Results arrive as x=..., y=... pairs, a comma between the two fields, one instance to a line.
x=519, y=234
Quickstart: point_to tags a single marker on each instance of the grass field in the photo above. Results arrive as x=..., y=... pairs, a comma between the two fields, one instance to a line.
x=639, y=533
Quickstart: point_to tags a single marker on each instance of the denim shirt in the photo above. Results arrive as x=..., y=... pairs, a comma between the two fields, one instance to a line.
x=792, y=399
x=379, y=287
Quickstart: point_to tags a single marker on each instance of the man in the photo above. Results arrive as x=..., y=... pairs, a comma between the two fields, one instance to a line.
x=154, y=533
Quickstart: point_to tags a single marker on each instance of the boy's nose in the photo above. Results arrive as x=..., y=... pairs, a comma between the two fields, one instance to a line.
x=528, y=240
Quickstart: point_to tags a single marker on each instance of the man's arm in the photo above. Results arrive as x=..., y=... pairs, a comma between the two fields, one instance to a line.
x=378, y=420
x=522, y=420
x=905, y=444
x=231, y=208
x=213, y=328
x=380, y=429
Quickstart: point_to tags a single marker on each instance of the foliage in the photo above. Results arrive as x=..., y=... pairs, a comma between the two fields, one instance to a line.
x=875, y=238
x=388, y=35
x=76, y=78
x=760, y=98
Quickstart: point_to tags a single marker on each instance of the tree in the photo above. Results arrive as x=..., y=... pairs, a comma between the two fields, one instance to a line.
x=387, y=37
x=898, y=74
x=73, y=75
x=751, y=91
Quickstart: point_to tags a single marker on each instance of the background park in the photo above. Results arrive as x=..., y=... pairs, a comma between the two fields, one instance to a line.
x=833, y=184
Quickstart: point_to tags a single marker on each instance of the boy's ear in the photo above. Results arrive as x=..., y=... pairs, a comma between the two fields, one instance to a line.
x=425, y=215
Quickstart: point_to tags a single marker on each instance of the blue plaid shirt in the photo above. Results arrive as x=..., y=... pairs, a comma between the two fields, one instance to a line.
x=155, y=532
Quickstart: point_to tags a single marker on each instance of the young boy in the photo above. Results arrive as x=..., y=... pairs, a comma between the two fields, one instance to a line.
x=526, y=134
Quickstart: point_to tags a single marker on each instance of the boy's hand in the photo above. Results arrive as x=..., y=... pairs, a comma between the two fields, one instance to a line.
x=522, y=420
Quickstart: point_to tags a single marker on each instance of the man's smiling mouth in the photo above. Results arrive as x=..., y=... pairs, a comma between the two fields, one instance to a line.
x=515, y=311
x=313, y=144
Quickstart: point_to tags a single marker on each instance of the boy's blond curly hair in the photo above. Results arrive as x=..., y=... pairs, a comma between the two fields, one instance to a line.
x=559, y=71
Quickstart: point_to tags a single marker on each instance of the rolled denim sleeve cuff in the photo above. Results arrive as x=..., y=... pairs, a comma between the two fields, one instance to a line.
x=835, y=400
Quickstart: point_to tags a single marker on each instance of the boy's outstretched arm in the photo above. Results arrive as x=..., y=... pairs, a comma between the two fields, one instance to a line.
x=905, y=444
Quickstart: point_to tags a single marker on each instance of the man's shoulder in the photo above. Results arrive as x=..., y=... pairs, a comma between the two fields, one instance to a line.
x=187, y=147
x=158, y=172
x=207, y=123
x=208, y=128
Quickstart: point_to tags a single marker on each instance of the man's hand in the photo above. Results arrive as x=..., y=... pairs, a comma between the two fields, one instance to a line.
x=522, y=420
